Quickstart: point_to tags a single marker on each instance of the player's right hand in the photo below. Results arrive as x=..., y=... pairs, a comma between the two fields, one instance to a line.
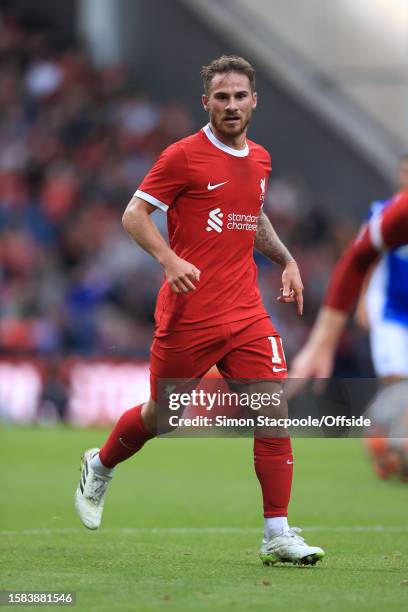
x=181, y=274
x=313, y=361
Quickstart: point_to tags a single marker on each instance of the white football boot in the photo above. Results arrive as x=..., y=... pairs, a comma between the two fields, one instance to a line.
x=289, y=547
x=91, y=491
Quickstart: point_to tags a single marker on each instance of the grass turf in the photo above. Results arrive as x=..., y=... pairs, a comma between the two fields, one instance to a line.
x=163, y=545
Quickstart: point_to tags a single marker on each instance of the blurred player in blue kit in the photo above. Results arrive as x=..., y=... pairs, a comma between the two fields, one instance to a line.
x=384, y=307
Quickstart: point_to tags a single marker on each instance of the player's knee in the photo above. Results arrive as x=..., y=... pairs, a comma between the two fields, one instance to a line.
x=149, y=411
x=275, y=410
x=158, y=418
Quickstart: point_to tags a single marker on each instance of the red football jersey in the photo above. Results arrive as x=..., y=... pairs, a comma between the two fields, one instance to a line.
x=213, y=195
x=386, y=231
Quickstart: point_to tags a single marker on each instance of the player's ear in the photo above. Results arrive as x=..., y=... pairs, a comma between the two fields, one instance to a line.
x=254, y=99
x=204, y=100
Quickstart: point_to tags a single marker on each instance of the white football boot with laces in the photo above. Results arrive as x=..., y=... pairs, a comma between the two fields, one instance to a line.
x=289, y=547
x=91, y=491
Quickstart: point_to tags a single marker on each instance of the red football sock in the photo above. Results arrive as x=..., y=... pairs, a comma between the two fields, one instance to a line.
x=274, y=467
x=126, y=438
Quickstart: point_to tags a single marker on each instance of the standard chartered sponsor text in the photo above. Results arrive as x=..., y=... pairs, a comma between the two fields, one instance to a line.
x=240, y=221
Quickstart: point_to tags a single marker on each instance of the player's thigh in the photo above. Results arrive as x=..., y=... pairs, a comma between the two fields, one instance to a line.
x=258, y=369
x=257, y=353
x=186, y=354
x=178, y=359
x=389, y=348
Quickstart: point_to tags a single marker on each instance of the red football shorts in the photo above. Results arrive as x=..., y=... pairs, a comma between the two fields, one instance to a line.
x=247, y=349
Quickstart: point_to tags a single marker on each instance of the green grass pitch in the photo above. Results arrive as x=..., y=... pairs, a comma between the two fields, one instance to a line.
x=183, y=524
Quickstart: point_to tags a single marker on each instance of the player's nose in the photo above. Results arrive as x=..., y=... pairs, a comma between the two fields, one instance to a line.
x=232, y=105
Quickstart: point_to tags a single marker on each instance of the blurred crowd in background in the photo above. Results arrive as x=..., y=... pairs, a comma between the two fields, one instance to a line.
x=75, y=142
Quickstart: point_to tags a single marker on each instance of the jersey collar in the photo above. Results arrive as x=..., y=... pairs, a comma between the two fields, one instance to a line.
x=220, y=145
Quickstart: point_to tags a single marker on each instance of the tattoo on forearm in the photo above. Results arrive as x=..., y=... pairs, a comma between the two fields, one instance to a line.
x=268, y=243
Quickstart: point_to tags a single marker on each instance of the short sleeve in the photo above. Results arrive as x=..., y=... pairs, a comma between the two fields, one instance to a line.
x=166, y=179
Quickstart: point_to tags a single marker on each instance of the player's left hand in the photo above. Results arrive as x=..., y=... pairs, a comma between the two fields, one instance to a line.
x=292, y=289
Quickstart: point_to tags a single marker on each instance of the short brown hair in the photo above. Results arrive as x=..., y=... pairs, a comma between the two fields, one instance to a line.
x=224, y=64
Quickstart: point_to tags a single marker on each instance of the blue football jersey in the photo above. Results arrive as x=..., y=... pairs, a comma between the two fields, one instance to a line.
x=394, y=277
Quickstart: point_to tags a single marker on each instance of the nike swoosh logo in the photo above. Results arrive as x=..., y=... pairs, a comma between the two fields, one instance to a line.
x=289, y=462
x=211, y=187
x=123, y=443
x=275, y=369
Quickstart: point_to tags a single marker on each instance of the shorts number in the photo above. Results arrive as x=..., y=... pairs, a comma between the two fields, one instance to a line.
x=276, y=355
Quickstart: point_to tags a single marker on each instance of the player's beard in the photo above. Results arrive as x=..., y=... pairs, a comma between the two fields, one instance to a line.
x=231, y=132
